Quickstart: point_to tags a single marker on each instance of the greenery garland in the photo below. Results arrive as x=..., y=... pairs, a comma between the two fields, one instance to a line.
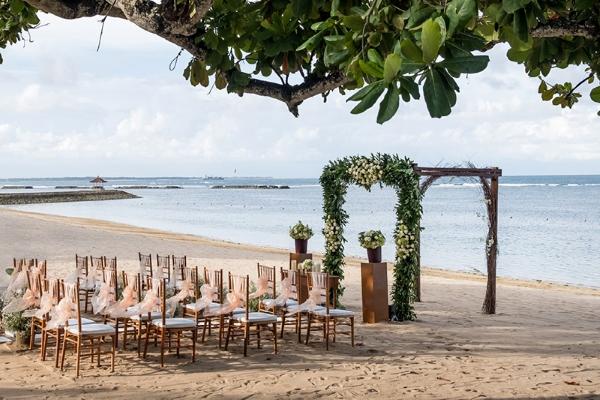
x=382, y=169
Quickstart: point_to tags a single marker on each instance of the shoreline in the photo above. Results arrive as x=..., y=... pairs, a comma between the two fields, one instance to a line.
x=351, y=261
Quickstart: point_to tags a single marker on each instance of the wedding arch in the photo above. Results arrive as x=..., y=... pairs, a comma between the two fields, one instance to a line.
x=389, y=170
x=403, y=176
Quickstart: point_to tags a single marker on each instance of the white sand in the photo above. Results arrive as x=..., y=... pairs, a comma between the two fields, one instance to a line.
x=544, y=341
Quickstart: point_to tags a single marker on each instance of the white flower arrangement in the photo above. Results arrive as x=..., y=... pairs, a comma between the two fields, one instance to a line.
x=309, y=266
x=366, y=172
x=301, y=231
x=332, y=234
x=405, y=241
x=371, y=239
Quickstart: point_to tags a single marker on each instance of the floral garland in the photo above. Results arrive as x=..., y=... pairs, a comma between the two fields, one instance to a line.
x=384, y=169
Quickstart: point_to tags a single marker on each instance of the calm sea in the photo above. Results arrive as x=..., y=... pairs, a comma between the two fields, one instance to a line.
x=548, y=225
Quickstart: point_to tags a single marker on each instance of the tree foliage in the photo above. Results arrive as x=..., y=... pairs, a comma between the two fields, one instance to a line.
x=391, y=50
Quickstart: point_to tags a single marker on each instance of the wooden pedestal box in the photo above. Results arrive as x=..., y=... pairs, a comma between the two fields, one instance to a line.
x=374, y=292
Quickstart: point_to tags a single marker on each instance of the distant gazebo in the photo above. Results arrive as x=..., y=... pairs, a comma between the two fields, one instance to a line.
x=98, y=182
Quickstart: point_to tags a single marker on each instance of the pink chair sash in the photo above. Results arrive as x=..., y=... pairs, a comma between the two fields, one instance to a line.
x=314, y=295
x=262, y=287
x=235, y=298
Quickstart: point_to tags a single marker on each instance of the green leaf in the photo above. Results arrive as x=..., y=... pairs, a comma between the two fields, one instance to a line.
x=370, y=68
x=389, y=105
x=354, y=22
x=411, y=51
x=363, y=92
x=466, y=65
x=520, y=25
x=460, y=12
x=393, y=63
x=220, y=81
x=370, y=98
x=437, y=96
x=374, y=56
x=198, y=74
x=312, y=42
x=398, y=22
x=335, y=5
x=595, y=94
x=510, y=6
x=431, y=40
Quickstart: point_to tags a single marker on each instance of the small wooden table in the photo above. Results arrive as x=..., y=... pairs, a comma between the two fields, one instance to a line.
x=374, y=292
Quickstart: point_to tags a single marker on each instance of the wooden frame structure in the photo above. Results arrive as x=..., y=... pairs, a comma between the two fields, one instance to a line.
x=489, y=178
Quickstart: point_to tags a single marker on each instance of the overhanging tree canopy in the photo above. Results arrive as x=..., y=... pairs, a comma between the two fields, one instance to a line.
x=292, y=50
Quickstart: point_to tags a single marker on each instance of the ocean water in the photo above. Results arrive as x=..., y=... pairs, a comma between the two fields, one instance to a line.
x=548, y=225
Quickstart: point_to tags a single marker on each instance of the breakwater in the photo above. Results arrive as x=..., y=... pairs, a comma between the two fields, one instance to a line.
x=250, y=187
x=63, y=197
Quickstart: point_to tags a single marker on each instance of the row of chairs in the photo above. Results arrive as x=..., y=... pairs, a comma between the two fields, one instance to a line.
x=224, y=307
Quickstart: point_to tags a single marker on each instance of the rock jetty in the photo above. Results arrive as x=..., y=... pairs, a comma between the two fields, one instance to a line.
x=250, y=187
x=61, y=197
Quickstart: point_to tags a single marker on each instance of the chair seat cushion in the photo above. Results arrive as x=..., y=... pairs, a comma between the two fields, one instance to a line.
x=92, y=329
x=269, y=303
x=84, y=321
x=175, y=323
x=334, y=312
x=144, y=317
x=255, y=317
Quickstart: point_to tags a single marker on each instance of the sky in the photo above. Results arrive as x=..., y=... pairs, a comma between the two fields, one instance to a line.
x=68, y=110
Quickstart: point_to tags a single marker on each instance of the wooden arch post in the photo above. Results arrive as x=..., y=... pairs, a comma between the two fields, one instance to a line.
x=489, y=178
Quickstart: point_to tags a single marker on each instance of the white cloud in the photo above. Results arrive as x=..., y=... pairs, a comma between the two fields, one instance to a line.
x=67, y=109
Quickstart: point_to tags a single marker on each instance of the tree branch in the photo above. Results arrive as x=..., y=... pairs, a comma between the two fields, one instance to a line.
x=560, y=28
x=294, y=95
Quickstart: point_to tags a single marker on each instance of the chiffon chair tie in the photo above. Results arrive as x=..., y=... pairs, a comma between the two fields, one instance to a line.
x=262, y=287
x=120, y=308
x=17, y=282
x=150, y=302
x=187, y=290
x=281, y=300
x=46, y=304
x=235, y=298
x=18, y=304
x=314, y=295
x=63, y=311
x=103, y=299
x=207, y=294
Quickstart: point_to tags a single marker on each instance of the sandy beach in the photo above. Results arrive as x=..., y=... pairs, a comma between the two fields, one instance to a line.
x=543, y=343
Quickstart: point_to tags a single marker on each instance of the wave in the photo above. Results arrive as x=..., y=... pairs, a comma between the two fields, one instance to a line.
x=515, y=185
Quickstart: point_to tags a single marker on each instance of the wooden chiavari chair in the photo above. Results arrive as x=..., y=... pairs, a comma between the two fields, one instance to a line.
x=86, y=336
x=165, y=328
x=242, y=324
x=163, y=266
x=142, y=321
x=329, y=318
x=136, y=324
x=215, y=279
x=145, y=264
x=192, y=310
x=24, y=263
x=268, y=273
x=53, y=287
x=179, y=264
x=35, y=285
x=86, y=285
x=56, y=289
x=295, y=319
